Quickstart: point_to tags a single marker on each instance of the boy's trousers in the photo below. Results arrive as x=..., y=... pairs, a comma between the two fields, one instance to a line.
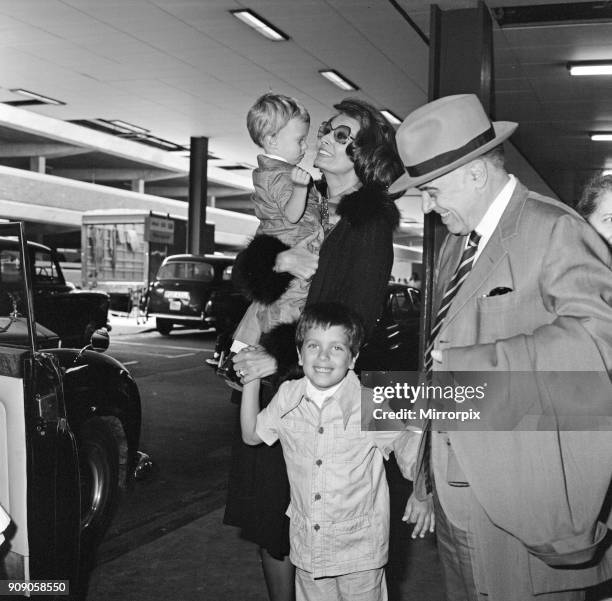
x=369, y=585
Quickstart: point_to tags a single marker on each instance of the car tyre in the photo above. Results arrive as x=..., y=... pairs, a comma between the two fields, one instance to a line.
x=99, y=469
x=163, y=326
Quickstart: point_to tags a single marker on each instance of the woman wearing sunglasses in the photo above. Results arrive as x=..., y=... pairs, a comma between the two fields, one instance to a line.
x=357, y=156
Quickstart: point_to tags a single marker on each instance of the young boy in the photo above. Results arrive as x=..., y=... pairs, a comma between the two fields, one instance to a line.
x=285, y=202
x=339, y=507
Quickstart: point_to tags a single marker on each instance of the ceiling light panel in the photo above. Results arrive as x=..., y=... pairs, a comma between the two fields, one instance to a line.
x=338, y=79
x=601, y=136
x=596, y=68
x=37, y=96
x=390, y=117
x=260, y=25
x=129, y=126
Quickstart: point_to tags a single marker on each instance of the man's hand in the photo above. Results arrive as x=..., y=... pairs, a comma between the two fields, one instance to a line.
x=421, y=513
x=300, y=177
x=436, y=356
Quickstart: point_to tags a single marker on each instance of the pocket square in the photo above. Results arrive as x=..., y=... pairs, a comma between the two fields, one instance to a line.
x=499, y=291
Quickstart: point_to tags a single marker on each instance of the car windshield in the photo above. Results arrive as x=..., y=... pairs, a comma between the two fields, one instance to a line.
x=186, y=270
x=45, y=268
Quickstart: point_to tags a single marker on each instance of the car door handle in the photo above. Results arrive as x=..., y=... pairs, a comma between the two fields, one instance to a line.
x=47, y=406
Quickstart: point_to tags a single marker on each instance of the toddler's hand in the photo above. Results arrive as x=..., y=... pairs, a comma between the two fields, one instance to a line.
x=421, y=513
x=300, y=177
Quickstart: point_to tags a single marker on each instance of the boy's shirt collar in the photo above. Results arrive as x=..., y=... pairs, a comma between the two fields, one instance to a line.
x=318, y=396
x=343, y=397
x=275, y=157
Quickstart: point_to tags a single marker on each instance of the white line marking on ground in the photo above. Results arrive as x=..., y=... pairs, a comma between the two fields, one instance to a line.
x=174, y=348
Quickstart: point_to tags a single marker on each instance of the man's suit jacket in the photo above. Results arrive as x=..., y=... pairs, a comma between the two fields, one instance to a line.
x=538, y=493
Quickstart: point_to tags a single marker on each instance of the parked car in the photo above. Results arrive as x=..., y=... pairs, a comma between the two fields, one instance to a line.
x=70, y=428
x=72, y=314
x=394, y=344
x=188, y=291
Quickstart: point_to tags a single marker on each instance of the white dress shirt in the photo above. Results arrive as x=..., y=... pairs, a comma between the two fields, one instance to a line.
x=491, y=218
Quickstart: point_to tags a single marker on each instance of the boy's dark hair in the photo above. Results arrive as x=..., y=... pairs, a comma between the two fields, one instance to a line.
x=326, y=315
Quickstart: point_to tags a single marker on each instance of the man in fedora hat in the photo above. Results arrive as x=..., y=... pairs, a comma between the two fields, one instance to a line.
x=522, y=289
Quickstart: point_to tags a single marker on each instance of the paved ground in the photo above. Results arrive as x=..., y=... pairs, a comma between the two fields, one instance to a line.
x=203, y=560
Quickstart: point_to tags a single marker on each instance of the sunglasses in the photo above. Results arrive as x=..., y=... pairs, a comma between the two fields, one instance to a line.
x=342, y=133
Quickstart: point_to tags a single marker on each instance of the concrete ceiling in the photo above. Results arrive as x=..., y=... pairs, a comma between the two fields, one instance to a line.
x=183, y=68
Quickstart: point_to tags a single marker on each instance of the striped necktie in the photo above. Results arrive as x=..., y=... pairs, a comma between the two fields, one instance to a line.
x=460, y=275
x=424, y=478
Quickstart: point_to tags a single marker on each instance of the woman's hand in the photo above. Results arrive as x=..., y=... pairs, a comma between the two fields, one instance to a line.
x=298, y=261
x=253, y=362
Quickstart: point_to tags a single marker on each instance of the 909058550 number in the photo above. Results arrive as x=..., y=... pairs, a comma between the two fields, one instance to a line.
x=34, y=587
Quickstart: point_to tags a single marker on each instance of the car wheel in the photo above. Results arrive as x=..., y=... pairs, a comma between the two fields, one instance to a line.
x=99, y=470
x=163, y=326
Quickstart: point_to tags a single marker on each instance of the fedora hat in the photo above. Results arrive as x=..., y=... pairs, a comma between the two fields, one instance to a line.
x=444, y=134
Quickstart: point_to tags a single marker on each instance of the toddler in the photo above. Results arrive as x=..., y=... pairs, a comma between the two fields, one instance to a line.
x=339, y=508
x=286, y=203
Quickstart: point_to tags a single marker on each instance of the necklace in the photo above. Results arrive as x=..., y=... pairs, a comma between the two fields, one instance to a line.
x=324, y=209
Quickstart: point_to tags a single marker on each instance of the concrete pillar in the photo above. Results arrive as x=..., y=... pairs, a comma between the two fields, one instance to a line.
x=200, y=237
x=138, y=185
x=38, y=164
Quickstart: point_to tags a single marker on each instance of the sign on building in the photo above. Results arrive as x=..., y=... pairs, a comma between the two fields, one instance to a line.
x=160, y=230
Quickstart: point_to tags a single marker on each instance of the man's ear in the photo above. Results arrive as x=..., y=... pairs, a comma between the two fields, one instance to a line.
x=300, y=362
x=353, y=361
x=478, y=172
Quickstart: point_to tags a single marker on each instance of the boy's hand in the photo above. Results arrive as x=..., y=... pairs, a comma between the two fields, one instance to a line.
x=421, y=513
x=300, y=177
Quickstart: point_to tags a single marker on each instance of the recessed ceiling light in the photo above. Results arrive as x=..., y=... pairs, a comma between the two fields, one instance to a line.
x=260, y=25
x=162, y=143
x=337, y=79
x=390, y=117
x=594, y=68
x=36, y=96
x=601, y=137
x=129, y=126
x=607, y=172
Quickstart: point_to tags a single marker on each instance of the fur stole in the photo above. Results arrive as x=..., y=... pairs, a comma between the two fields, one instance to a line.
x=367, y=204
x=253, y=272
x=280, y=343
